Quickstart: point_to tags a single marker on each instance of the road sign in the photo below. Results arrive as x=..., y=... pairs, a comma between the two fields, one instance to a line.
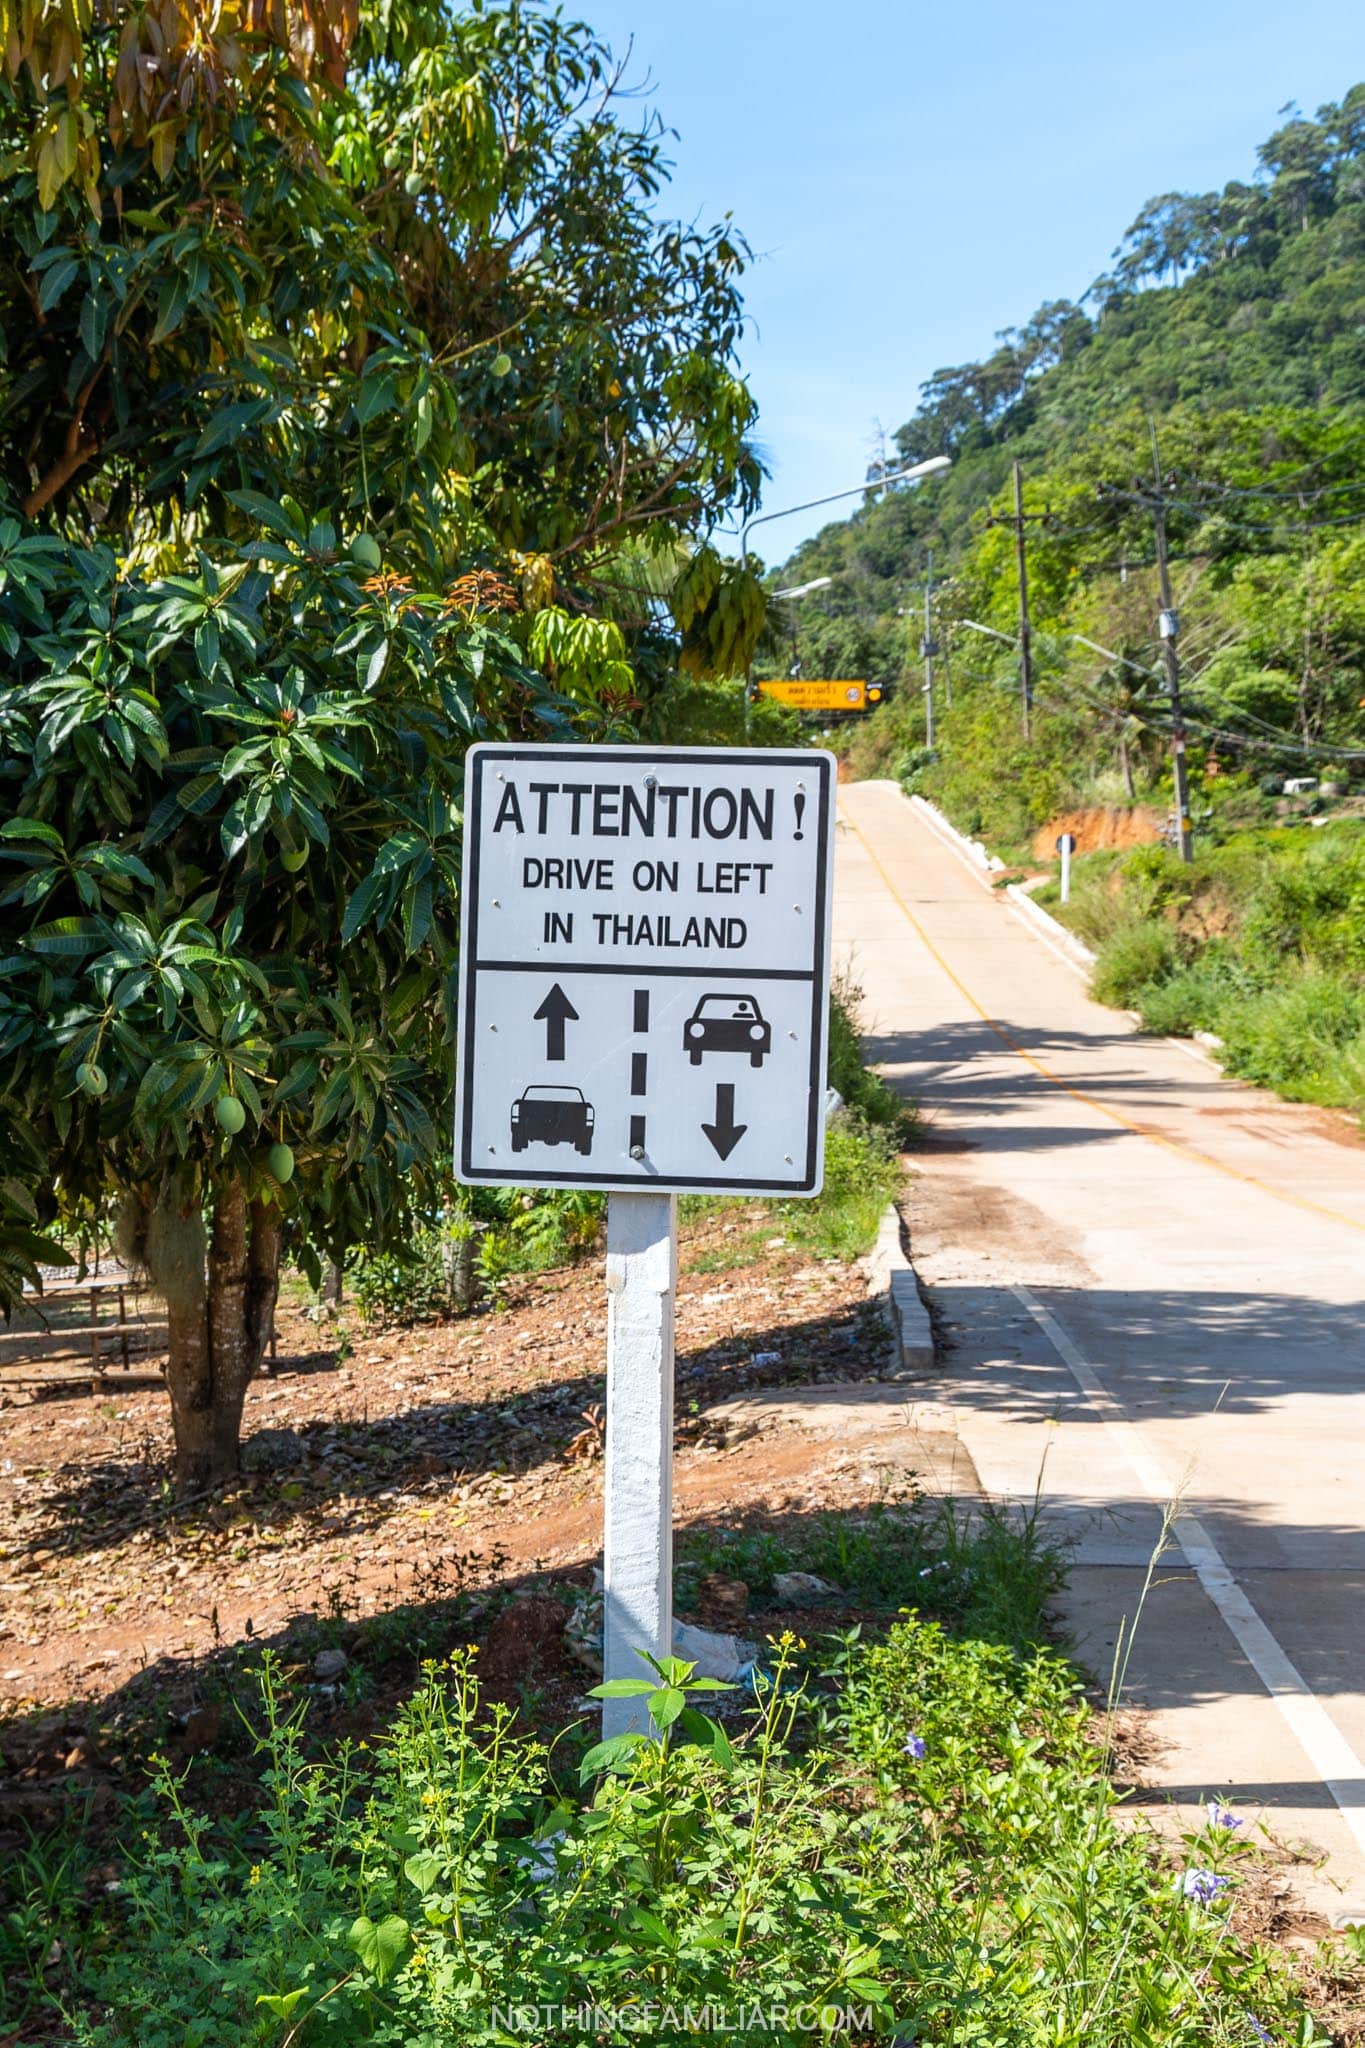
x=645, y=967
x=812, y=693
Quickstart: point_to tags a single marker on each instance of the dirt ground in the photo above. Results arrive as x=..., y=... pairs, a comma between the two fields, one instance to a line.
x=386, y=1467
x=410, y=1489
x=1102, y=825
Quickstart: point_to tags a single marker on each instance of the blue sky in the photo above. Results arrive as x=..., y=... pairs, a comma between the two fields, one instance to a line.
x=913, y=179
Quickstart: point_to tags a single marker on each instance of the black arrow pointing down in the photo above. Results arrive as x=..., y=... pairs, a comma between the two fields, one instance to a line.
x=555, y=1011
x=725, y=1133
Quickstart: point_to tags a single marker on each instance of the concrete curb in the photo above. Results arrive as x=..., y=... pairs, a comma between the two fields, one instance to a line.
x=891, y=1274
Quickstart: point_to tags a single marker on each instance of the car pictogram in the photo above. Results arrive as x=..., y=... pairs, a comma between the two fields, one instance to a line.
x=727, y=1023
x=552, y=1116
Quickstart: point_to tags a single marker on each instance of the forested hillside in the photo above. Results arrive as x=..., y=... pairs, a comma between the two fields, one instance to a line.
x=1220, y=365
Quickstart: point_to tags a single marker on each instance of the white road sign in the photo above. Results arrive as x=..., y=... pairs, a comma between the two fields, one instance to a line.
x=645, y=967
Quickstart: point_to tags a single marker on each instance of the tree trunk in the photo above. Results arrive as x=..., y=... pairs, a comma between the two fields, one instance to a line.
x=1127, y=766
x=217, y=1337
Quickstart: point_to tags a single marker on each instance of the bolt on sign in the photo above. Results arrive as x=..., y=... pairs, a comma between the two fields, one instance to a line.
x=812, y=693
x=645, y=968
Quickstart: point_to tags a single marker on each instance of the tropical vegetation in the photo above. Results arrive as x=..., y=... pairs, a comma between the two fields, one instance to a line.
x=1209, y=390
x=356, y=401
x=908, y=1835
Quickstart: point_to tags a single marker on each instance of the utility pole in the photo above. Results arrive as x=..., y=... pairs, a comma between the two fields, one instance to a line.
x=927, y=650
x=1019, y=523
x=1025, y=631
x=1169, y=627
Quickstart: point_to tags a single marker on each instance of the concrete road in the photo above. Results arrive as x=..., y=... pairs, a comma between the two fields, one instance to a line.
x=1150, y=1278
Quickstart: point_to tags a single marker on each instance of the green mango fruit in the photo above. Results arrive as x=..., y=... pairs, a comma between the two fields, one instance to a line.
x=292, y=858
x=365, y=553
x=281, y=1163
x=502, y=363
x=91, y=1078
x=230, y=1114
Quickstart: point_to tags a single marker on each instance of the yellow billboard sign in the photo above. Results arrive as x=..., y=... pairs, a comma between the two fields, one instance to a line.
x=809, y=693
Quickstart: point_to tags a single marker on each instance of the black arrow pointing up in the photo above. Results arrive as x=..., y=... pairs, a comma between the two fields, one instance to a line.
x=556, y=1010
x=725, y=1133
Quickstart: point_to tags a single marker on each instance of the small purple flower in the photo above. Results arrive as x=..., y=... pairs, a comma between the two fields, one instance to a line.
x=1262, y=2033
x=915, y=1747
x=1223, y=1817
x=1203, y=1886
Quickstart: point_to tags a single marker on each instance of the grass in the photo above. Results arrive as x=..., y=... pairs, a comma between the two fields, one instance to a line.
x=1261, y=941
x=912, y=1834
x=983, y=1569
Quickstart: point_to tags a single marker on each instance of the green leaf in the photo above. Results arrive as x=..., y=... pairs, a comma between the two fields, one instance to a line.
x=362, y=906
x=665, y=1705
x=68, y=938
x=227, y=424
x=423, y=1870
x=621, y=1689
x=282, y=2003
x=31, y=828
x=175, y=296
x=417, y=913
x=376, y=665
x=266, y=512
x=606, y=1756
x=381, y=1946
x=58, y=277
x=377, y=395
x=92, y=325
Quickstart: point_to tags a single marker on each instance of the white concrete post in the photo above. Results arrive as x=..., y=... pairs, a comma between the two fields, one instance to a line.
x=642, y=1268
x=1066, y=844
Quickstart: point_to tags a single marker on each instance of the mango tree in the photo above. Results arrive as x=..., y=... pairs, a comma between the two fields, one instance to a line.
x=345, y=362
x=242, y=1026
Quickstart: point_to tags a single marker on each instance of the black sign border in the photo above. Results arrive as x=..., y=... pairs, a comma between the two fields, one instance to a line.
x=808, y=1184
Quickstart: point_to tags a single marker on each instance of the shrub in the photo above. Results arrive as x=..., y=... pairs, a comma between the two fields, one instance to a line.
x=911, y=766
x=862, y=1089
x=432, y=1277
x=1131, y=960
x=862, y=1174
x=936, y=1840
x=1305, y=1037
x=1192, y=999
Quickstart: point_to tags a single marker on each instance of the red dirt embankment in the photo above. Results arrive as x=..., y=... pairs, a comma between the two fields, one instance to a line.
x=1102, y=826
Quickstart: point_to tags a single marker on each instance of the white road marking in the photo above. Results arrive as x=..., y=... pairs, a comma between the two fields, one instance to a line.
x=1322, y=1742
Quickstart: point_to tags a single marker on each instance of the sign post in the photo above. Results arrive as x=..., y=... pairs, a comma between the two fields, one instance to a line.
x=643, y=1008
x=1066, y=846
x=637, y=1556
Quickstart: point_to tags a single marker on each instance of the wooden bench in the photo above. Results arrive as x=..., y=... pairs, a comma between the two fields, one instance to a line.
x=61, y=1337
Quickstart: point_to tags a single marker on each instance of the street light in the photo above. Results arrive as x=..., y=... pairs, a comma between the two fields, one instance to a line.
x=912, y=475
x=805, y=589
x=931, y=467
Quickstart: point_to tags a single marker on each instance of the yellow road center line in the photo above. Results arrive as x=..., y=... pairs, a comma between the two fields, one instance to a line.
x=1116, y=1116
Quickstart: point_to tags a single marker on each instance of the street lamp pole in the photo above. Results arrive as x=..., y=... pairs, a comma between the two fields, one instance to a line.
x=927, y=649
x=931, y=467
